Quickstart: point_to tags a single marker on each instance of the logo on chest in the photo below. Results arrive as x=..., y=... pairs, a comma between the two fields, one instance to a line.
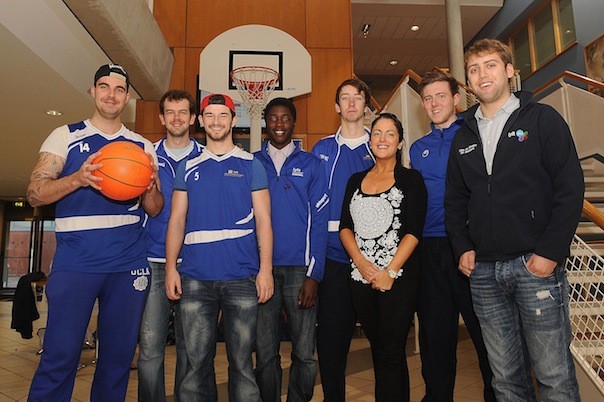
x=520, y=134
x=425, y=153
x=468, y=149
x=233, y=173
x=297, y=172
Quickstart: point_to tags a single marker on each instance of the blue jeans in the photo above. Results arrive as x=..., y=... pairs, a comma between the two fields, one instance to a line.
x=302, y=325
x=522, y=314
x=152, y=340
x=198, y=308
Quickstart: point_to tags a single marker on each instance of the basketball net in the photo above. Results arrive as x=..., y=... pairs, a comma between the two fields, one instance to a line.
x=255, y=84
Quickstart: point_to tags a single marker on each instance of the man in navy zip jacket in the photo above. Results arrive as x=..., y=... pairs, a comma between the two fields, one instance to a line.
x=342, y=154
x=513, y=200
x=444, y=291
x=299, y=201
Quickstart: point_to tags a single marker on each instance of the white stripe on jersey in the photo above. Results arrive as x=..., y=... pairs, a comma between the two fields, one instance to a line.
x=209, y=236
x=333, y=226
x=247, y=218
x=75, y=223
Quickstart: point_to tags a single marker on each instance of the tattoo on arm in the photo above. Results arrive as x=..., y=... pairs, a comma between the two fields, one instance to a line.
x=48, y=168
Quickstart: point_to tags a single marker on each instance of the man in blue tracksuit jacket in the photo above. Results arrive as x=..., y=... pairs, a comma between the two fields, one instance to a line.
x=299, y=201
x=342, y=154
x=444, y=291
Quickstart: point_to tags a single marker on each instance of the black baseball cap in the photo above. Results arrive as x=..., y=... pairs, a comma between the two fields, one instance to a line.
x=112, y=70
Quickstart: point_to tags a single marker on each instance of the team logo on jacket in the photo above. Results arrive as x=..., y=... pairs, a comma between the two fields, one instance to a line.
x=425, y=153
x=142, y=278
x=520, y=134
x=324, y=157
x=233, y=173
x=297, y=172
x=367, y=158
x=468, y=149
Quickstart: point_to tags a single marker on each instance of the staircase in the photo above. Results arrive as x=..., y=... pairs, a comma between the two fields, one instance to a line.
x=585, y=272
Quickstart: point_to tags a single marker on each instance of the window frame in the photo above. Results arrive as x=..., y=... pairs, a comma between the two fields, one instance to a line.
x=529, y=23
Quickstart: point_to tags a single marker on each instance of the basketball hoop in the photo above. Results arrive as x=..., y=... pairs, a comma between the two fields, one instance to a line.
x=255, y=84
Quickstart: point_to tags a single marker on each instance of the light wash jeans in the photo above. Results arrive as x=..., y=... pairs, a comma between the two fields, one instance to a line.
x=152, y=340
x=303, y=329
x=522, y=314
x=199, y=306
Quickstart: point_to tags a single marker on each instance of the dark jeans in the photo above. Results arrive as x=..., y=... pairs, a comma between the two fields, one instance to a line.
x=199, y=306
x=386, y=318
x=337, y=321
x=444, y=294
x=152, y=340
x=302, y=324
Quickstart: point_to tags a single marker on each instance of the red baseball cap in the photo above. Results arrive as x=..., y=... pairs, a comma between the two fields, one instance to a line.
x=217, y=99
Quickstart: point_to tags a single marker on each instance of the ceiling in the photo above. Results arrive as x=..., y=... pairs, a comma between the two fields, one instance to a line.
x=49, y=59
x=391, y=37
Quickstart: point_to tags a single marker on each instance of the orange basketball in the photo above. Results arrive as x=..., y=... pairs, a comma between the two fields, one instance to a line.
x=126, y=170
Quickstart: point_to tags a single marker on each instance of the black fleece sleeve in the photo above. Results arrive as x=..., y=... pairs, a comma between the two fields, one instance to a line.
x=559, y=157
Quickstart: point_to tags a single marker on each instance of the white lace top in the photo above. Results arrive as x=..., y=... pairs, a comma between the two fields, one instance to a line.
x=376, y=220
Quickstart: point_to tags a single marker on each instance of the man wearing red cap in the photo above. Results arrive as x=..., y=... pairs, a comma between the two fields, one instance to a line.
x=221, y=218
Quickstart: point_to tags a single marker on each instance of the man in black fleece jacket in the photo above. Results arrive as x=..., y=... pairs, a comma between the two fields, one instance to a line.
x=513, y=200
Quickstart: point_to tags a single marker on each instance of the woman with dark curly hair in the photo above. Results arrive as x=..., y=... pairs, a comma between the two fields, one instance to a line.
x=382, y=222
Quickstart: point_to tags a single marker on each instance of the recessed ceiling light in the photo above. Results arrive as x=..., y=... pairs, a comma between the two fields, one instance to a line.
x=415, y=28
x=53, y=112
x=393, y=62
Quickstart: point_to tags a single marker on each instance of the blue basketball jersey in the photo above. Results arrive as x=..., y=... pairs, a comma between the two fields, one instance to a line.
x=156, y=227
x=93, y=232
x=220, y=235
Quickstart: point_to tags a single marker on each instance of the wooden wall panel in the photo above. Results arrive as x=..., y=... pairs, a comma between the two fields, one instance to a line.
x=178, y=70
x=207, y=19
x=147, y=118
x=171, y=16
x=312, y=139
x=301, y=105
x=328, y=24
x=192, y=69
x=329, y=68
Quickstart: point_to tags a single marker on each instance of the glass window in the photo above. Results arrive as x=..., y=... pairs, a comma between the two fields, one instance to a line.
x=545, y=43
x=522, y=51
x=49, y=244
x=566, y=23
x=17, y=253
x=546, y=34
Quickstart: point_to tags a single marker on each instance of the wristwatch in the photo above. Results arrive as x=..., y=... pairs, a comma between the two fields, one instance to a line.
x=392, y=273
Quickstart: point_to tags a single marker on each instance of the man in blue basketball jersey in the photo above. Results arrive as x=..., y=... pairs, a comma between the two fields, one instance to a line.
x=342, y=154
x=177, y=113
x=221, y=218
x=101, y=251
x=299, y=202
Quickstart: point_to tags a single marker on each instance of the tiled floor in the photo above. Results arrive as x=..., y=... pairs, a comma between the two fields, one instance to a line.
x=18, y=361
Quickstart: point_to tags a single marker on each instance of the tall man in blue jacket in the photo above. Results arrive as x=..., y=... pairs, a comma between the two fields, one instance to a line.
x=177, y=113
x=299, y=200
x=342, y=154
x=444, y=291
x=513, y=200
